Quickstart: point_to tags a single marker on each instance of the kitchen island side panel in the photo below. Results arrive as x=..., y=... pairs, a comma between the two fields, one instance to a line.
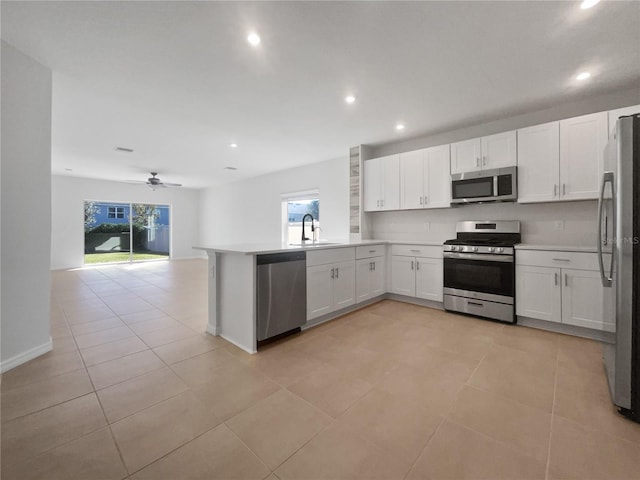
x=234, y=313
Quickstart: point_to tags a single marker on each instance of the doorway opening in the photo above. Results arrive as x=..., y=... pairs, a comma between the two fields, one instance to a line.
x=126, y=232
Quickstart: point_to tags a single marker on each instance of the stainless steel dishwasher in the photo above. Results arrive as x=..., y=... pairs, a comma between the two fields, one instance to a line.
x=281, y=293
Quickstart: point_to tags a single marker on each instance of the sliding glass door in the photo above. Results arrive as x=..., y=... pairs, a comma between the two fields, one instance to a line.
x=125, y=232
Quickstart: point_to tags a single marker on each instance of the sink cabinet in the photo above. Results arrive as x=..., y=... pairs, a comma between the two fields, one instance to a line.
x=331, y=281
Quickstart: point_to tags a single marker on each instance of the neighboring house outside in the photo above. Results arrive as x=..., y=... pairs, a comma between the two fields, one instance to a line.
x=119, y=213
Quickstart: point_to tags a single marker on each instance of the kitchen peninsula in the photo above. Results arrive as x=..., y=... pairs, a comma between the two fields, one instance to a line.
x=233, y=282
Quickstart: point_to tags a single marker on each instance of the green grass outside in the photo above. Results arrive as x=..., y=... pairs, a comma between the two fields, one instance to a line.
x=91, y=258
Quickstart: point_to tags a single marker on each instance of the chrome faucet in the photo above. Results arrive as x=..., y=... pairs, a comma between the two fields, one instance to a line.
x=313, y=228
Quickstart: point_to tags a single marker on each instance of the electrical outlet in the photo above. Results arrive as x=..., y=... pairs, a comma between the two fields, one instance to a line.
x=558, y=225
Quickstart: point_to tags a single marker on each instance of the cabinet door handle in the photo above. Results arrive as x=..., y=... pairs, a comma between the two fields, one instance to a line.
x=414, y=250
x=411, y=264
x=372, y=251
x=417, y=265
x=566, y=280
x=484, y=160
x=370, y=266
x=555, y=190
x=374, y=266
x=332, y=273
x=425, y=199
x=564, y=189
x=477, y=161
x=337, y=273
x=382, y=203
x=560, y=260
x=555, y=279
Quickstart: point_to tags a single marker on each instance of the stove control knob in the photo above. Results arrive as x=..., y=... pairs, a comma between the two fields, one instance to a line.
x=499, y=249
x=491, y=249
x=475, y=249
x=456, y=248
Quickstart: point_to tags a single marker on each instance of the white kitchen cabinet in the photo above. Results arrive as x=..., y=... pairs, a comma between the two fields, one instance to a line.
x=562, y=160
x=493, y=151
x=331, y=280
x=382, y=183
x=538, y=293
x=582, y=300
x=562, y=287
x=319, y=290
x=416, y=271
x=369, y=278
x=539, y=163
x=403, y=276
x=424, y=178
x=465, y=156
x=330, y=287
x=429, y=278
x=499, y=150
x=582, y=142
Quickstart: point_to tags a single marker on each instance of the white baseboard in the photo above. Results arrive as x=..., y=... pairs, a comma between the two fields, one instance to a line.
x=212, y=329
x=24, y=357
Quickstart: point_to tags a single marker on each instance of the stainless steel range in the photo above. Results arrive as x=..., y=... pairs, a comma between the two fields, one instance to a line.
x=479, y=269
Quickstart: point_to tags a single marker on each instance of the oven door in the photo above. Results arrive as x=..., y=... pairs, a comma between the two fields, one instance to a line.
x=485, y=277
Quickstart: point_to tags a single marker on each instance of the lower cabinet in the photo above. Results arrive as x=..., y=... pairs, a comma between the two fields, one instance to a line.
x=573, y=296
x=417, y=277
x=369, y=278
x=330, y=287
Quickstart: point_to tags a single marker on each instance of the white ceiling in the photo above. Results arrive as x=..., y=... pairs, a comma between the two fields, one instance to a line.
x=178, y=82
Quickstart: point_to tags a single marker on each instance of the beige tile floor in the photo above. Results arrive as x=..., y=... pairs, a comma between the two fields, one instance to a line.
x=133, y=389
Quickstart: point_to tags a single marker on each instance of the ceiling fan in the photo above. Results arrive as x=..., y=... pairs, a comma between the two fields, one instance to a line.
x=154, y=182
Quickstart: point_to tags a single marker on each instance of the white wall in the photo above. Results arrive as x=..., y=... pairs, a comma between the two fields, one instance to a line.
x=69, y=194
x=26, y=206
x=251, y=211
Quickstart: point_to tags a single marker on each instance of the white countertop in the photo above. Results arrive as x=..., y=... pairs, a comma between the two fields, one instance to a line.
x=557, y=248
x=275, y=247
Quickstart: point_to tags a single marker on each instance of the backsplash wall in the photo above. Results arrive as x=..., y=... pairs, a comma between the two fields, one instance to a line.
x=540, y=223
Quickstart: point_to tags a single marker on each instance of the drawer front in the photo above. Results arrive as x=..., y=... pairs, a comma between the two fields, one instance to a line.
x=330, y=255
x=368, y=251
x=427, y=251
x=558, y=259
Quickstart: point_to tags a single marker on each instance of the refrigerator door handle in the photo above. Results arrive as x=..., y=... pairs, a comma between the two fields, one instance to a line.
x=606, y=178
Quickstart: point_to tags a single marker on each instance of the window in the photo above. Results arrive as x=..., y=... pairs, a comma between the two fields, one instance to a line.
x=115, y=212
x=294, y=207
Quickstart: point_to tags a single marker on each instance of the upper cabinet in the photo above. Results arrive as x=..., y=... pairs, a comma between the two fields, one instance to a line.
x=582, y=142
x=382, y=183
x=424, y=178
x=493, y=151
x=561, y=160
x=538, y=163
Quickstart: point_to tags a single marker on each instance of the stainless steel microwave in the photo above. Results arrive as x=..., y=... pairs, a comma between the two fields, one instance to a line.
x=497, y=185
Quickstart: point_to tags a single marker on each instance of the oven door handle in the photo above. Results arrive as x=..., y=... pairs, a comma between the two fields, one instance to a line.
x=479, y=256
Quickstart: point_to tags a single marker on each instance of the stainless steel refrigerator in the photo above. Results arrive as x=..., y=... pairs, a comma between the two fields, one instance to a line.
x=619, y=257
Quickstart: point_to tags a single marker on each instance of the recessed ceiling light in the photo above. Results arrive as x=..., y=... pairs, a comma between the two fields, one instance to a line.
x=123, y=149
x=588, y=4
x=400, y=127
x=233, y=145
x=253, y=39
x=349, y=99
x=583, y=76
x=230, y=168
